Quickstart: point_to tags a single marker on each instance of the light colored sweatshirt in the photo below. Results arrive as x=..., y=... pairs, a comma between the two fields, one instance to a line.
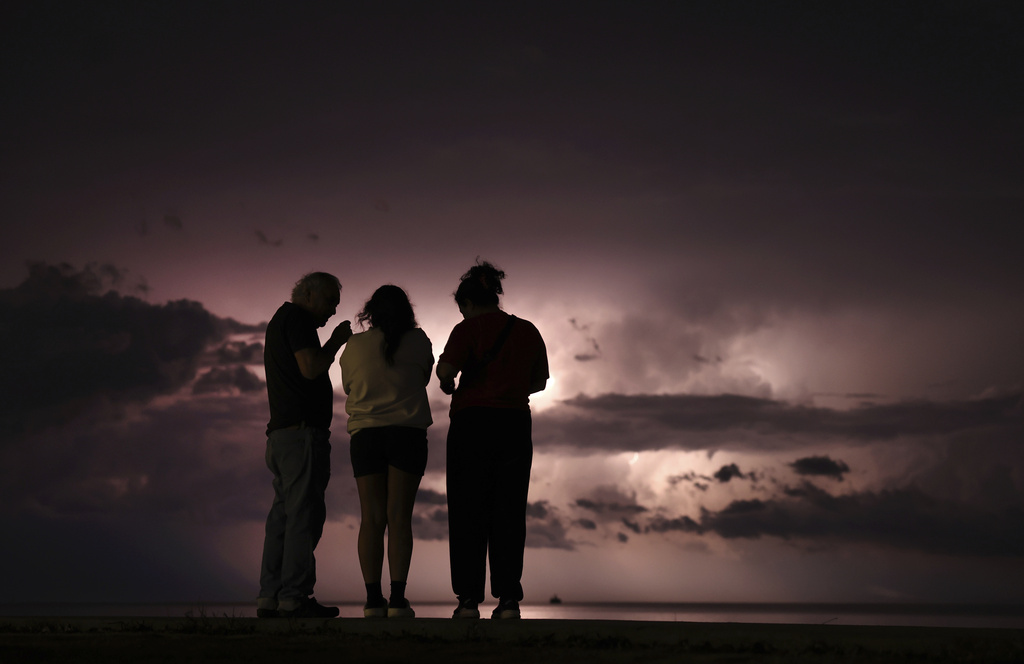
x=379, y=395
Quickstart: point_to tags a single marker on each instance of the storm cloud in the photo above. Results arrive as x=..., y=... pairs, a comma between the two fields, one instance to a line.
x=820, y=465
x=221, y=379
x=901, y=518
x=72, y=344
x=697, y=422
x=810, y=517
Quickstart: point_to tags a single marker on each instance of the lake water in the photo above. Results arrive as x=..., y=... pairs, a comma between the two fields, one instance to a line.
x=923, y=615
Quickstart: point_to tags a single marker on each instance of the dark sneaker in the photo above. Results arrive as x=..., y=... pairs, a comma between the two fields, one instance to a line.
x=310, y=608
x=266, y=607
x=506, y=609
x=376, y=609
x=400, y=609
x=467, y=609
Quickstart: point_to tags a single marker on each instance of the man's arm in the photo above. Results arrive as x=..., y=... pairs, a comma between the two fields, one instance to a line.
x=315, y=361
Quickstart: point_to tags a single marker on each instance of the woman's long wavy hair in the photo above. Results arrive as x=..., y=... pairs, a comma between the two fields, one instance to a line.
x=390, y=311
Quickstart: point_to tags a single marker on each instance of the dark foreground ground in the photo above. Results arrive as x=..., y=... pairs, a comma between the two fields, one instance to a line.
x=428, y=640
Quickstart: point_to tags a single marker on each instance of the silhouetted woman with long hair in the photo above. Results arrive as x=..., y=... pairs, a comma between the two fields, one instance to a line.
x=384, y=372
x=500, y=360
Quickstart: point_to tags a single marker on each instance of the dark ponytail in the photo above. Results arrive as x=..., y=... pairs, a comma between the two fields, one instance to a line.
x=481, y=285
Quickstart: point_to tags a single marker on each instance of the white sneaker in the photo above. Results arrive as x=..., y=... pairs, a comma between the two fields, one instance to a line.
x=400, y=611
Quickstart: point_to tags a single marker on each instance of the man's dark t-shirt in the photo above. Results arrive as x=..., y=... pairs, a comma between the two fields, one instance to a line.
x=294, y=399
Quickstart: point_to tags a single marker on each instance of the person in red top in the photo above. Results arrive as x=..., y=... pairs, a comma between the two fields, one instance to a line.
x=500, y=360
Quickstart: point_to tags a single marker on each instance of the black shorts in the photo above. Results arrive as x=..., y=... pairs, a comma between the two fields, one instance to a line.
x=374, y=449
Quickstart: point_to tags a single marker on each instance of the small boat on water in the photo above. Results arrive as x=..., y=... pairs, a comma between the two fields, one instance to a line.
x=555, y=599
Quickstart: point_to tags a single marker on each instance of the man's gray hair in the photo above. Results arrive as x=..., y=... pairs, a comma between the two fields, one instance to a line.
x=315, y=281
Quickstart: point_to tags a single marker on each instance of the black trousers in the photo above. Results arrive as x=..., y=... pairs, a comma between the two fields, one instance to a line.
x=490, y=453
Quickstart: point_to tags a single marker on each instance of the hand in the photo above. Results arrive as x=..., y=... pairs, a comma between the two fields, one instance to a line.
x=446, y=374
x=342, y=333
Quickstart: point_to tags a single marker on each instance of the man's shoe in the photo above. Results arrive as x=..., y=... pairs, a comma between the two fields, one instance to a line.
x=266, y=607
x=310, y=608
x=506, y=610
x=467, y=608
x=400, y=609
x=376, y=609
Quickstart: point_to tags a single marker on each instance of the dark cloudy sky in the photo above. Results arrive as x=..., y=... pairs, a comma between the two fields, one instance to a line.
x=774, y=249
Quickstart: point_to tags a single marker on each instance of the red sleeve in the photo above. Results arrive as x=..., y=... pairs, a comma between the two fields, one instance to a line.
x=456, y=351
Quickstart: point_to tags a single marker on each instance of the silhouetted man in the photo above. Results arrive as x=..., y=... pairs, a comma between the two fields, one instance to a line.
x=298, y=445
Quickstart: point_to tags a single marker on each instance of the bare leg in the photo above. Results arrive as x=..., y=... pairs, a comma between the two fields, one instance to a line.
x=401, y=495
x=373, y=504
